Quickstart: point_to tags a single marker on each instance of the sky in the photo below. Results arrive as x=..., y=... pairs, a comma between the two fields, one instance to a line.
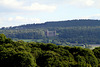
x=19, y=12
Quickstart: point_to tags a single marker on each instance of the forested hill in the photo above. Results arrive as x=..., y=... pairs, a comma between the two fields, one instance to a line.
x=81, y=31
x=68, y=23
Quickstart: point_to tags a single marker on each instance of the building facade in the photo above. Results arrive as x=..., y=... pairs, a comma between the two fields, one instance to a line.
x=50, y=33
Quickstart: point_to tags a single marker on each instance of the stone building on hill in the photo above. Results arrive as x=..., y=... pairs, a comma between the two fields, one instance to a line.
x=50, y=33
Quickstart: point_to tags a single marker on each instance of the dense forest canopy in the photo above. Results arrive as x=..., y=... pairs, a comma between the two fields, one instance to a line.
x=32, y=54
x=81, y=31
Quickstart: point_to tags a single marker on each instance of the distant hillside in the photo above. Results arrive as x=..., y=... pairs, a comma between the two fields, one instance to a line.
x=81, y=31
x=68, y=23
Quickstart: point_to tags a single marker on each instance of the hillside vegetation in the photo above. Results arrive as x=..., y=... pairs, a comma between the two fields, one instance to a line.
x=81, y=31
x=32, y=54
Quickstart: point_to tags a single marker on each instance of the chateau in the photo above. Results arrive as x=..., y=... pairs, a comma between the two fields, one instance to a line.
x=50, y=33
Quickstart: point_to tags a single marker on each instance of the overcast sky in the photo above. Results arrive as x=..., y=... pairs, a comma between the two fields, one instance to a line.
x=18, y=12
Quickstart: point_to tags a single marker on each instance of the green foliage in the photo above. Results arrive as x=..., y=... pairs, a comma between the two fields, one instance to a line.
x=84, y=56
x=82, y=31
x=48, y=59
x=24, y=59
x=23, y=54
x=2, y=38
x=97, y=54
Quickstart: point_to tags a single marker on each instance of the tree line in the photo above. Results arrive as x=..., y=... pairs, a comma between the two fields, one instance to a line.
x=66, y=23
x=33, y=54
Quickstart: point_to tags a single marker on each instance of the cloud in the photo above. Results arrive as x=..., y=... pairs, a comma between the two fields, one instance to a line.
x=3, y=19
x=26, y=20
x=81, y=3
x=10, y=3
x=18, y=20
x=84, y=3
x=37, y=6
x=21, y=5
x=10, y=19
x=96, y=16
x=97, y=4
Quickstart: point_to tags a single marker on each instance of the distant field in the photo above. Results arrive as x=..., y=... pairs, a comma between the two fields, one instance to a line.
x=95, y=45
x=32, y=40
x=27, y=40
x=90, y=46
